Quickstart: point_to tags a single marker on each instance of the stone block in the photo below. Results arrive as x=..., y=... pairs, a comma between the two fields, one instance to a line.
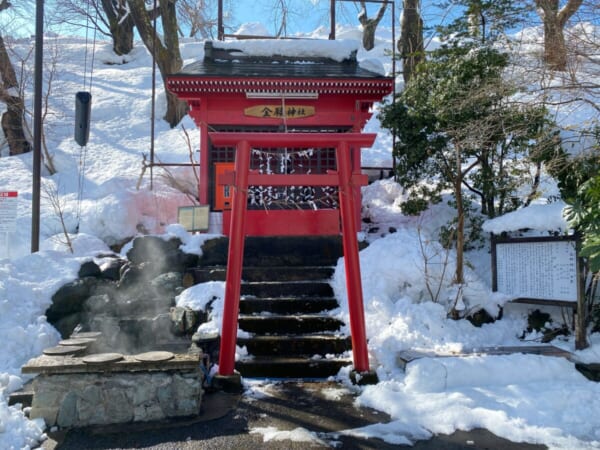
x=49, y=414
x=89, y=404
x=67, y=412
x=118, y=404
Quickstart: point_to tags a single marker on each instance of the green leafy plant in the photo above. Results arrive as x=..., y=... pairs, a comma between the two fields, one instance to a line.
x=459, y=130
x=583, y=214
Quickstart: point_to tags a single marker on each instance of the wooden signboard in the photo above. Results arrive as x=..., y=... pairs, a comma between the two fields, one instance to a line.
x=280, y=111
x=545, y=269
x=194, y=218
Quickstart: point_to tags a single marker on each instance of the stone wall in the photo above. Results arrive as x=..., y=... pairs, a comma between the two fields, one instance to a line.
x=100, y=399
x=76, y=400
x=109, y=388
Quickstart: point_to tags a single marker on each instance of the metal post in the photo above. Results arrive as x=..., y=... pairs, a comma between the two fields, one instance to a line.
x=235, y=260
x=394, y=88
x=581, y=311
x=351, y=260
x=153, y=103
x=204, y=157
x=220, y=29
x=37, y=126
x=332, y=20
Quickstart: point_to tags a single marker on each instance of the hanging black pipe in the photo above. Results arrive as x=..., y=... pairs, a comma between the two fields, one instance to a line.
x=37, y=126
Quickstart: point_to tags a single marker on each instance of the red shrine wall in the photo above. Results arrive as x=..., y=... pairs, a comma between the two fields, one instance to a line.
x=307, y=210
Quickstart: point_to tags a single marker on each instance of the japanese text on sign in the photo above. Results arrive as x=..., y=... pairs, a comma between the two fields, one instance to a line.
x=542, y=270
x=280, y=111
x=8, y=211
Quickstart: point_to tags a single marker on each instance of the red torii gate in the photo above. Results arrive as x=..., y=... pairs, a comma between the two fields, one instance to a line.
x=345, y=179
x=226, y=92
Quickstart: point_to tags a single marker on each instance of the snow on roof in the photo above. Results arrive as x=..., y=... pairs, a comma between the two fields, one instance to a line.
x=338, y=50
x=534, y=217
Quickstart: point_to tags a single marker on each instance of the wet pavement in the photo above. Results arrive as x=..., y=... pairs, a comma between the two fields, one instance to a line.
x=233, y=421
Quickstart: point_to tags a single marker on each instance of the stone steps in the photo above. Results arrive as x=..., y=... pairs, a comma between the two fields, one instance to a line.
x=287, y=305
x=287, y=367
x=277, y=251
x=305, y=345
x=23, y=396
x=288, y=324
x=299, y=289
x=261, y=273
x=284, y=305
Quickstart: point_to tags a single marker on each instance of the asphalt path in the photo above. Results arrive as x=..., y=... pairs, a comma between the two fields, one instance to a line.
x=231, y=421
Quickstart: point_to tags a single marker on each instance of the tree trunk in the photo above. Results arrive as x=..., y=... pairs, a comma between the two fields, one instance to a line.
x=165, y=50
x=370, y=25
x=368, y=37
x=121, y=25
x=410, y=44
x=123, y=39
x=487, y=184
x=12, y=119
x=460, y=225
x=555, y=49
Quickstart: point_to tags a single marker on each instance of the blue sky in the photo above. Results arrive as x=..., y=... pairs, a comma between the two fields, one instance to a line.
x=307, y=15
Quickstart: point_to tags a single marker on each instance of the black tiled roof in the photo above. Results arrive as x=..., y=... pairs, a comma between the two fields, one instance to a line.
x=219, y=63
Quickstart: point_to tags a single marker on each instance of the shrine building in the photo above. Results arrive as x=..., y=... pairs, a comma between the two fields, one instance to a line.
x=294, y=91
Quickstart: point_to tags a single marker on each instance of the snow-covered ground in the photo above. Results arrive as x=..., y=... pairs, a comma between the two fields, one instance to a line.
x=523, y=398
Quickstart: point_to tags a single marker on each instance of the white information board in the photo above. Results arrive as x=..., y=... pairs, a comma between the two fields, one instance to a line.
x=545, y=270
x=194, y=218
x=8, y=211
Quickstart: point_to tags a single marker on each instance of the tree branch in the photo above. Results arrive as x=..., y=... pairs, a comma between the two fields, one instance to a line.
x=568, y=10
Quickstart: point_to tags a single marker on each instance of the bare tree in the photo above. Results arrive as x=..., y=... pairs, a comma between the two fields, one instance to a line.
x=370, y=24
x=52, y=195
x=12, y=119
x=555, y=19
x=410, y=44
x=52, y=57
x=120, y=25
x=10, y=94
x=165, y=48
x=109, y=17
x=195, y=18
x=281, y=11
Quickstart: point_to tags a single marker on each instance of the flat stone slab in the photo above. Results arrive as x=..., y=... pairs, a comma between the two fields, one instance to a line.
x=407, y=356
x=76, y=341
x=63, y=350
x=155, y=356
x=102, y=358
x=45, y=364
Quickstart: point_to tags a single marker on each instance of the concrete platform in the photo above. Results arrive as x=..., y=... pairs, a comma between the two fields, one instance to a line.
x=405, y=357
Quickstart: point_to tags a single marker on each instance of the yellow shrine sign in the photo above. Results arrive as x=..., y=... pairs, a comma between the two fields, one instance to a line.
x=280, y=111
